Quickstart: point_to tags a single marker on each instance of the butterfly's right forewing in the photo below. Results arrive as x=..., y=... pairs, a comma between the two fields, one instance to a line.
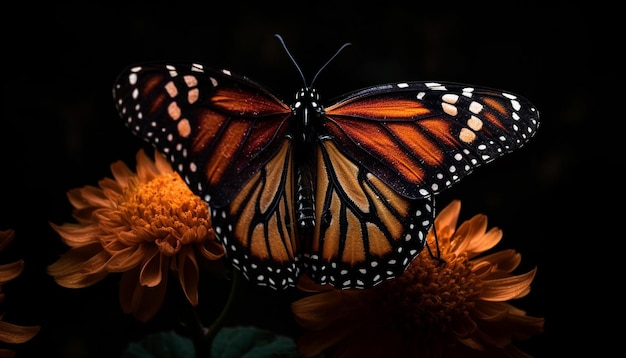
x=228, y=138
x=423, y=137
x=217, y=129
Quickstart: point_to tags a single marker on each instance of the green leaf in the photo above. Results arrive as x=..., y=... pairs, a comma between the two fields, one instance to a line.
x=160, y=345
x=251, y=342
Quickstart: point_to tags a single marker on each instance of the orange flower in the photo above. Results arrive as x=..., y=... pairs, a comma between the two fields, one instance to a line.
x=11, y=333
x=143, y=225
x=452, y=309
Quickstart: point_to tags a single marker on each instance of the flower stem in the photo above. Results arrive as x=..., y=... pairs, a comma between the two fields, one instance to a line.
x=203, y=345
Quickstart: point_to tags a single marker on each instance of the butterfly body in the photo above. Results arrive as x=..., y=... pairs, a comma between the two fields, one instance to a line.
x=306, y=112
x=341, y=191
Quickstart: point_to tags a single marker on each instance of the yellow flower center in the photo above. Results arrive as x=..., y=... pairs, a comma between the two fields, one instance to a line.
x=167, y=211
x=430, y=296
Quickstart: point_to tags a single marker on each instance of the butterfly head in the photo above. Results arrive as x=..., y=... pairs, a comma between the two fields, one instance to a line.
x=306, y=108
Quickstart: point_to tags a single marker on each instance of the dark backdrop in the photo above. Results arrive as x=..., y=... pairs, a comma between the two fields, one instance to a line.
x=60, y=131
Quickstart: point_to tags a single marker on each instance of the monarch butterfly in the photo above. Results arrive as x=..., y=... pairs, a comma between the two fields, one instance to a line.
x=339, y=191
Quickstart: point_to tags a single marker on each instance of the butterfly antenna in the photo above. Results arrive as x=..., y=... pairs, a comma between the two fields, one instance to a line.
x=298, y=67
x=282, y=42
x=329, y=61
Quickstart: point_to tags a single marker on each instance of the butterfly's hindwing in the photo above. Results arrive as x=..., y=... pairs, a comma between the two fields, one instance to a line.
x=257, y=228
x=366, y=232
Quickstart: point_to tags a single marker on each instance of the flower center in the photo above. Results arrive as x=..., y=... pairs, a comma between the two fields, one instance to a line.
x=430, y=296
x=167, y=211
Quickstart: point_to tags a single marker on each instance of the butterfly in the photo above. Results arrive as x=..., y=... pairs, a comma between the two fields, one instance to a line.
x=339, y=191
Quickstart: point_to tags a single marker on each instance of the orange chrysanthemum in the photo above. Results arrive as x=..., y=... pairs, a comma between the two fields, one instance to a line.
x=456, y=309
x=143, y=225
x=11, y=333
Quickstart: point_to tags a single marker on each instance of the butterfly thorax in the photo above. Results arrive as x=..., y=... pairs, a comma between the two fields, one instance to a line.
x=306, y=111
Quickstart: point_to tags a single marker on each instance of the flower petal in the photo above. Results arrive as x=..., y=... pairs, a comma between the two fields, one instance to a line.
x=89, y=196
x=11, y=333
x=503, y=262
x=468, y=233
x=188, y=274
x=77, y=235
x=79, y=267
x=472, y=343
x=127, y=258
x=162, y=164
x=319, y=311
x=10, y=271
x=487, y=240
x=211, y=249
x=141, y=301
x=505, y=324
x=463, y=326
x=75, y=259
x=491, y=310
x=447, y=219
x=145, y=167
x=503, y=289
x=79, y=280
x=152, y=270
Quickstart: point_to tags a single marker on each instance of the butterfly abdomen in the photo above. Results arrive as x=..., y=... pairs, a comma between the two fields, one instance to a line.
x=305, y=202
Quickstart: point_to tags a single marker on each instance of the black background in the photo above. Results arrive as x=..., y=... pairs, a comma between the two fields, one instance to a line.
x=60, y=131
